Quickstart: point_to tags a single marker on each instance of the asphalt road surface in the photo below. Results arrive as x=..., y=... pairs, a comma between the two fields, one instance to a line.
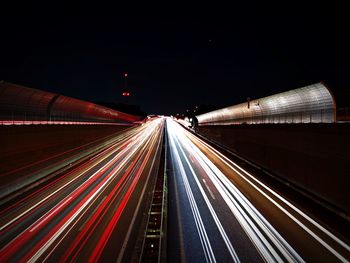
x=218, y=212
x=85, y=214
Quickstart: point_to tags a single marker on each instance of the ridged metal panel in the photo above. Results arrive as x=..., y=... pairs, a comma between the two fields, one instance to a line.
x=310, y=104
x=22, y=103
x=18, y=102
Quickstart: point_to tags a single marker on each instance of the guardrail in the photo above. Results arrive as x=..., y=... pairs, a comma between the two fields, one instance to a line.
x=18, y=122
x=153, y=248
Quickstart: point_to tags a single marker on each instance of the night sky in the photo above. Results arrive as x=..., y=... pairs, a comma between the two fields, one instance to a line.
x=177, y=55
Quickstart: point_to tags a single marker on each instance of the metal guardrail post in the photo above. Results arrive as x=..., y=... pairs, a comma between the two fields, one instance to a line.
x=154, y=248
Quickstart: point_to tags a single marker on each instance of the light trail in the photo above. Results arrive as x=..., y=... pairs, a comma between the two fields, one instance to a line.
x=63, y=215
x=212, y=211
x=225, y=212
x=221, y=183
x=287, y=203
x=115, y=148
x=208, y=251
x=256, y=226
x=254, y=182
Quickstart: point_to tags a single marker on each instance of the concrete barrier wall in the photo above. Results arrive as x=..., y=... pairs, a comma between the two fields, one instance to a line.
x=316, y=157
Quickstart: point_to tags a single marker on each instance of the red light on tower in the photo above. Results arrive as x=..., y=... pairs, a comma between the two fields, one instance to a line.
x=125, y=92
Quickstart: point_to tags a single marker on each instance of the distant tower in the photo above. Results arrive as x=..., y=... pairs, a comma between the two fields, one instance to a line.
x=126, y=92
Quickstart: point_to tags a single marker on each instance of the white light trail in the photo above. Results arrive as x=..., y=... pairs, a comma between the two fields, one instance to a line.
x=207, y=248
x=267, y=240
x=211, y=209
x=43, y=248
x=251, y=180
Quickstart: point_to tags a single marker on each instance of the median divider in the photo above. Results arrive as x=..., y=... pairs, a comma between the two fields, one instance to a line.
x=154, y=243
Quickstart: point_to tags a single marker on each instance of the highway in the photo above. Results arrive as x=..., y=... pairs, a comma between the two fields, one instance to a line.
x=218, y=212
x=88, y=212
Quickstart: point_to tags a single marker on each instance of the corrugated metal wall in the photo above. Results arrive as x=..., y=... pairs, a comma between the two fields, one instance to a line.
x=310, y=104
x=22, y=103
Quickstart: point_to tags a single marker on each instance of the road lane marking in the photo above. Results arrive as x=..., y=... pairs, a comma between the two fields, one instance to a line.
x=253, y=223
x=49, y=215
x=212, y=211
x=43, y=248
x=250, y=218
x=208, y=251
x=210, y=192
x=288, y=204
x=60, y=188
x=92, y=213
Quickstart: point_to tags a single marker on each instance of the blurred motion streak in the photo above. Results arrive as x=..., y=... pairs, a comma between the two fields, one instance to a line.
x=277, y=230
x=82, y=214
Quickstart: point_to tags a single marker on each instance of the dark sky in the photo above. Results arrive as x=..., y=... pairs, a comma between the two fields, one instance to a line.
x=177, y=55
